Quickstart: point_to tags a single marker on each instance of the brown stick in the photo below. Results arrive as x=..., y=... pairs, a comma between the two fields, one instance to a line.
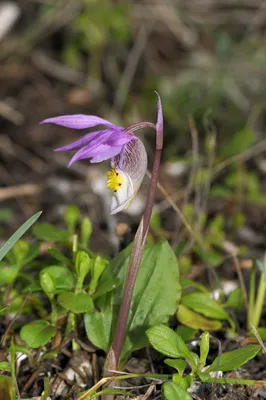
x=28, y=189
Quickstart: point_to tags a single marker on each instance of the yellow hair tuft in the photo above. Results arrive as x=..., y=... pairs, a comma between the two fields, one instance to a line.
x=114, y=180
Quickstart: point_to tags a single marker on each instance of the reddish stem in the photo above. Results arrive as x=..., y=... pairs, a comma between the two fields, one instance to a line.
x=137, y=249
x=134, y=263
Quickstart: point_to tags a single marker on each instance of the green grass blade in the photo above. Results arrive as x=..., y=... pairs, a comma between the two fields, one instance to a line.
x=17, y=235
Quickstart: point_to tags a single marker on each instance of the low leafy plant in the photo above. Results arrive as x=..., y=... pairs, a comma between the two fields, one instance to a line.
x=192, y=368
x=198, y=310
x=77, y=282
x=95, y=26
x=151, y=303
x=11, y=265
x=71, y=283
x=211, y=233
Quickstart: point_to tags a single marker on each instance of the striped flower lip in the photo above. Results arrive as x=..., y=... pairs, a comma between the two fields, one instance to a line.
x=125, y=150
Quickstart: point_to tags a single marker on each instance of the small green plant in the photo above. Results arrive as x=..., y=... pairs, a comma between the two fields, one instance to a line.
x=212, y=232
x=239, y=183
x=192, y=368
x=257, y=298
x=71, y=283
x=198, y=310
x=98, y=24
x=151, y=303
x=14, y=255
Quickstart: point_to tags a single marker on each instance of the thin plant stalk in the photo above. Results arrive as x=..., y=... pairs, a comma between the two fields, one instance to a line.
x=13, y=371
x=257, y=336
x=256, y=302
x=113, y=356
x=251, y=300
x=259, y=300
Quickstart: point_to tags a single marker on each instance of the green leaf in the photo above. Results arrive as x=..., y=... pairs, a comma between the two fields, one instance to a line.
x=239, y=142
x=50, y=233
x=186, y=332
x=183, y=382
x=50, y=354
x=155, y=298
x=156, y=293
x=17, y=235
x=234, y=359
x=235, y=300
x=188, y=283
x=212, y=257
x=204, y=348
x=185, y=264
x=33, y=253
x=261, y=332
x=215, y=230
x=6, y=385
x=203, y=376
x=105, y=287
x=15, y=348
x=71, y=217
x=2, y=309
x=37, y=333
x=77, y=303
x=86, y=231
x=203, y=304
x=181, y=247
x=8, y=273
x=48, y=284
x=20, y=251
x=63, y=277
x=196, y=321
x=97, y=269
x=99, y=325
x=82, y=265
x=167, y=342
x=60, y=257
x=151, y=303
x=4, y=366
x=179, y=365
x=172, y=391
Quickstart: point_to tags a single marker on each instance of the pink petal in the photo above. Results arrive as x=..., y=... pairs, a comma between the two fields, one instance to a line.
x=120, y=140
x=78, y=121
x=109, y=152
x=85, y=140
x=97, y=153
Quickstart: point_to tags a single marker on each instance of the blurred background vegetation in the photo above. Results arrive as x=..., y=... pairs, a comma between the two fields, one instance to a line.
x=206, y=58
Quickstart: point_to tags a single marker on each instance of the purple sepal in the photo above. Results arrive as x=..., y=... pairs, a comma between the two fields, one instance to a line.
x=112, y=137
x=97, y=154
x=78, y=121
x=85, y=140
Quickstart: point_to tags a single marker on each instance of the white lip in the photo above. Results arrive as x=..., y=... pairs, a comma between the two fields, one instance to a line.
x=131, y=164
x=124, y=194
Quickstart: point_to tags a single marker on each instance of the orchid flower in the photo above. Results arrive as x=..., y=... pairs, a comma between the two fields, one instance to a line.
x=127, y=154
